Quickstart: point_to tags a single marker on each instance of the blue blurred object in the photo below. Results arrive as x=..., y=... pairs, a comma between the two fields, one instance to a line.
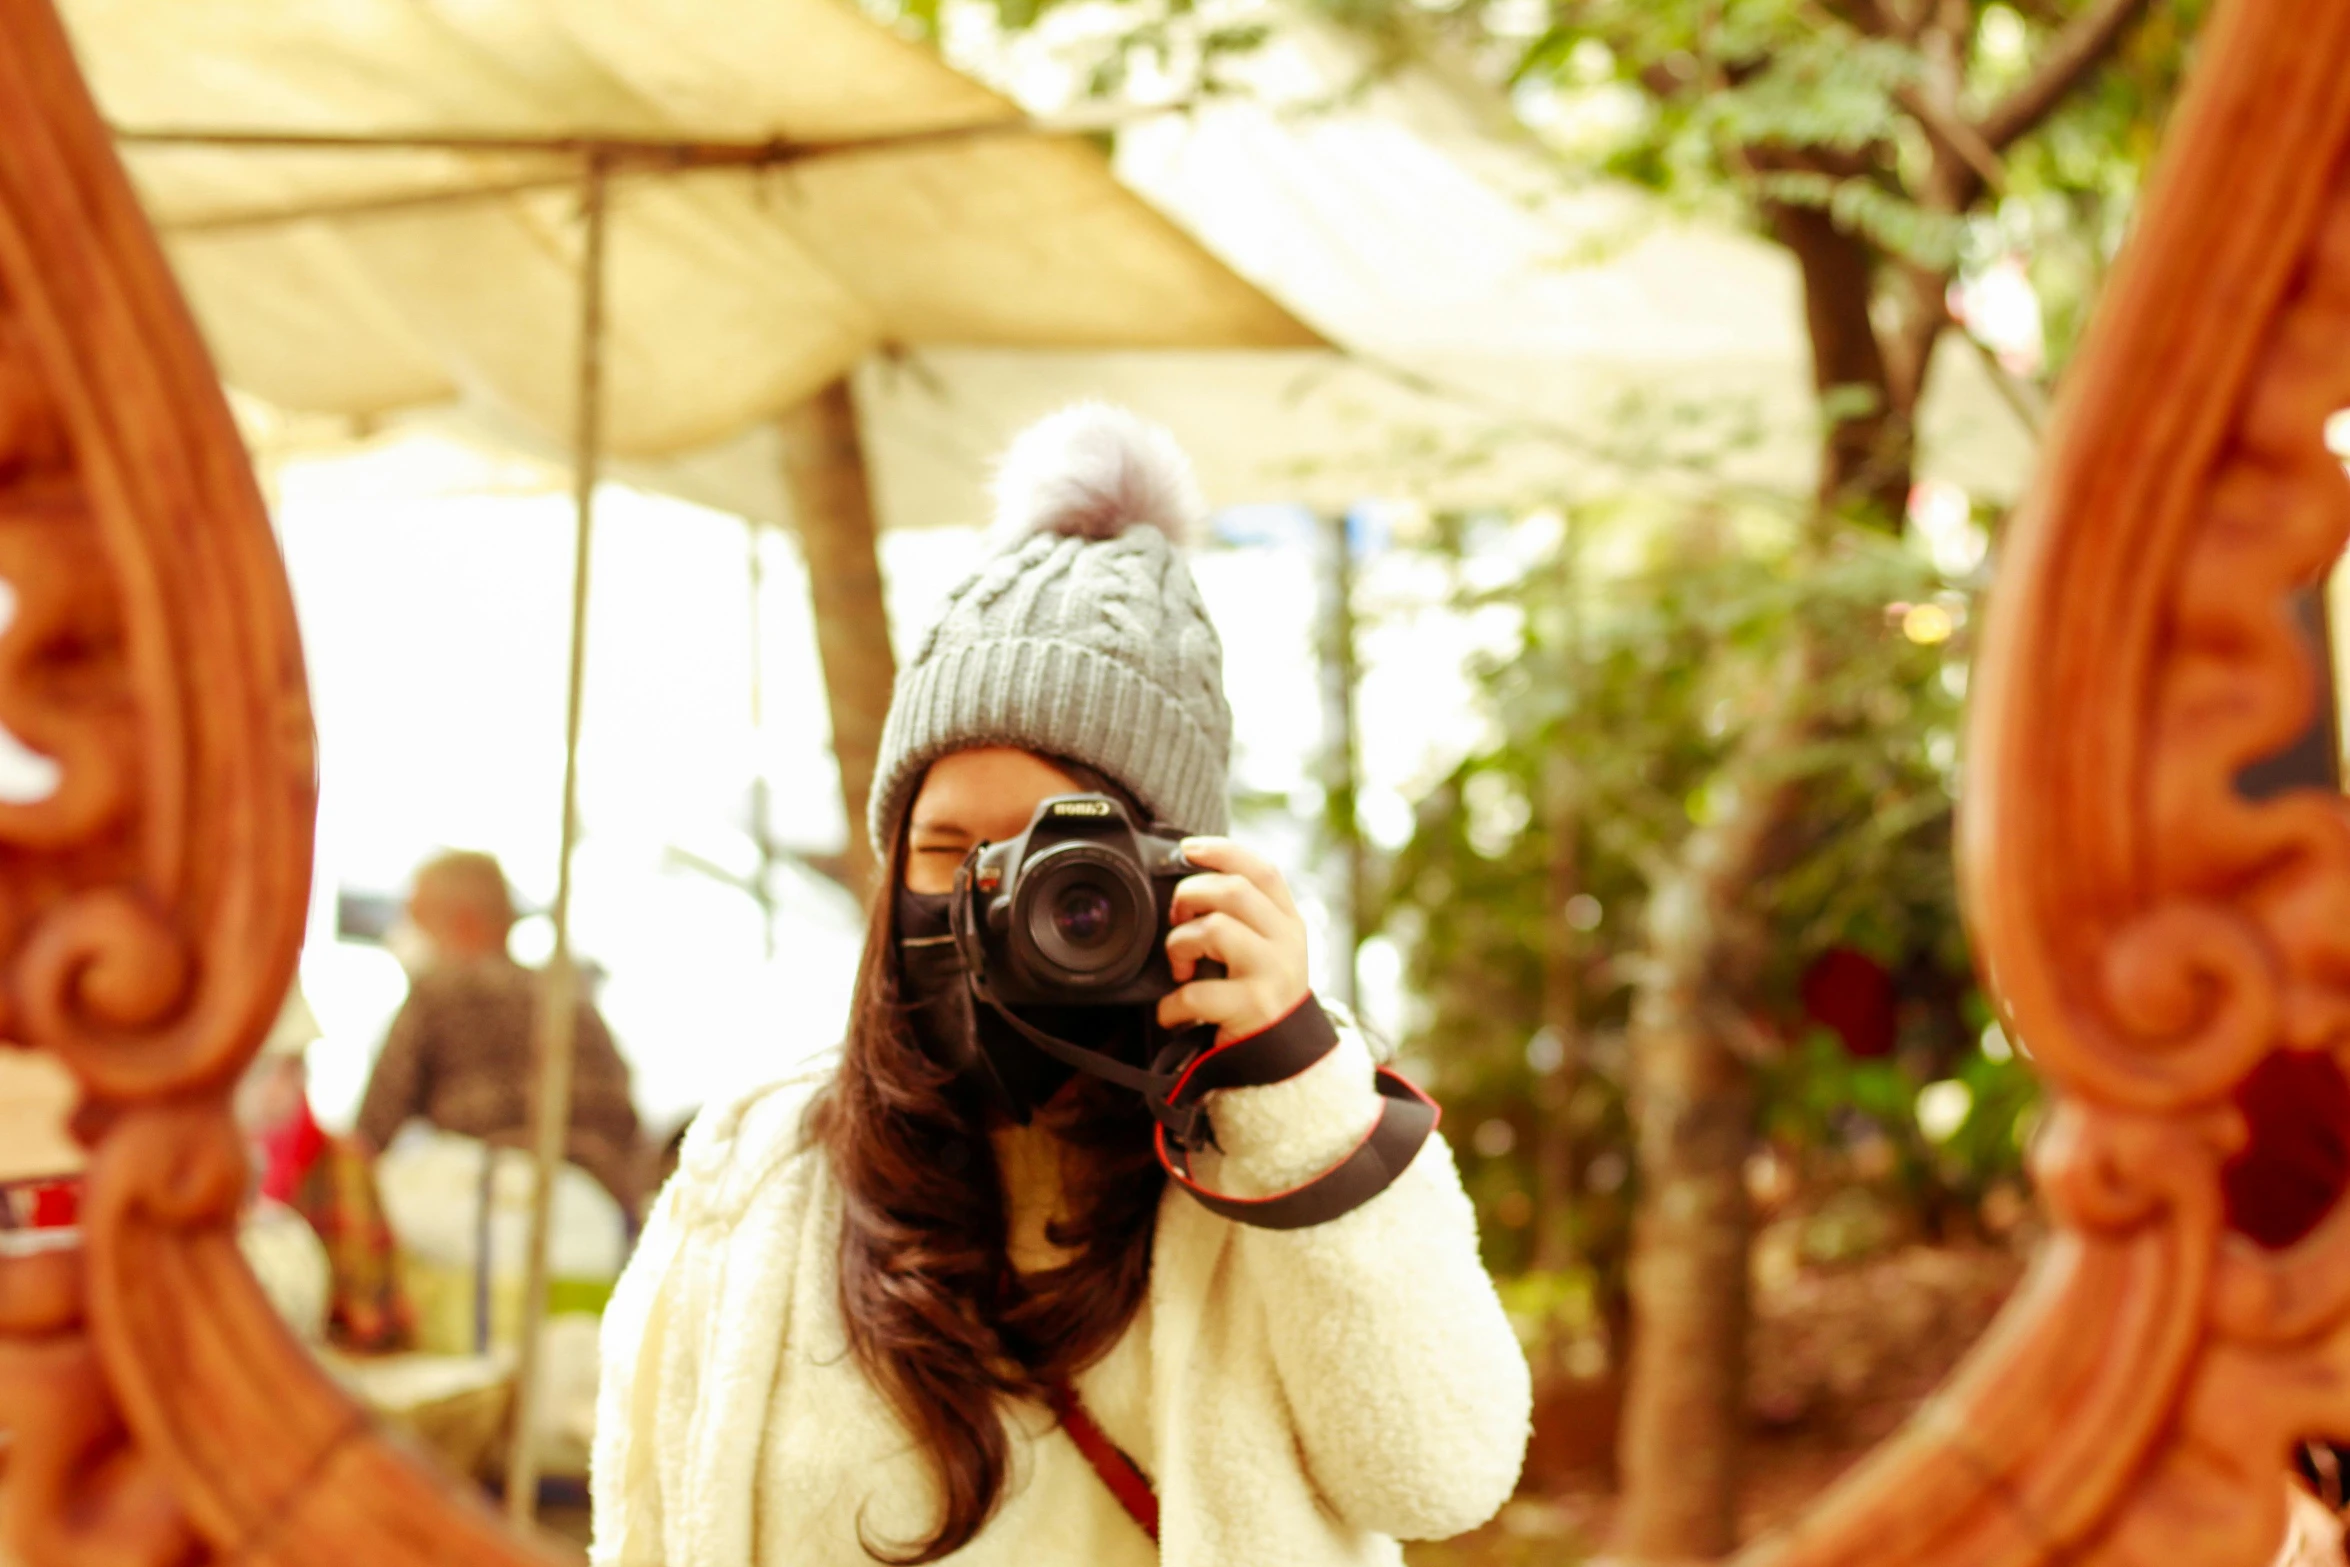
x=365, y=916
x=1369, y=528
x=1263, y=526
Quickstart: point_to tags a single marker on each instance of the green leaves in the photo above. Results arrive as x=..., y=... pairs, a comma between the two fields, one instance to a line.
x=1862, y=205
x=1830, y=91
x=1650, y=645
x=1648, y=681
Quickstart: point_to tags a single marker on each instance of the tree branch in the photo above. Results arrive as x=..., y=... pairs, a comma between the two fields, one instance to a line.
x=1909, y=347
x=1941, y=122
x=1869, y=18
x=1900, y=24
x=1962, y=139
x=2078, y=50
x=1865, y=457
x=2023, y=399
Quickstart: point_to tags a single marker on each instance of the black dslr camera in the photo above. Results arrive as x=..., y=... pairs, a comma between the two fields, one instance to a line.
x=1074, y=911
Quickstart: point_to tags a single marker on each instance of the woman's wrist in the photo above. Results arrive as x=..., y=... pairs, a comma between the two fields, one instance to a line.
x=1279, y=1135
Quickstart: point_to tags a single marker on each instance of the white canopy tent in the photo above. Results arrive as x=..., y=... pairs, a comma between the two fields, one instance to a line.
x=1499, y=324
x=794, y=189
x=969, y=273
x=378, y=208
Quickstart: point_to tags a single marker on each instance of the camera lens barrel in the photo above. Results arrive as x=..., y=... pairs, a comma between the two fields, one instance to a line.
x=1083, y=916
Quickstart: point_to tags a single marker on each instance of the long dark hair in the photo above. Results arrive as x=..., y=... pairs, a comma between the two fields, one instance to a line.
x=936, y=1316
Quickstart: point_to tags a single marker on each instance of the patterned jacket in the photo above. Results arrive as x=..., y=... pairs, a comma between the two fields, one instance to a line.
x=461, y=1054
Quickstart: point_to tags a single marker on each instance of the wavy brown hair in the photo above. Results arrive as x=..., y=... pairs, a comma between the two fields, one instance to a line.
x=936, y=1316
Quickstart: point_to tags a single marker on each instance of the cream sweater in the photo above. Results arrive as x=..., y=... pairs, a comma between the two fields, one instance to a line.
x=1299, y=1398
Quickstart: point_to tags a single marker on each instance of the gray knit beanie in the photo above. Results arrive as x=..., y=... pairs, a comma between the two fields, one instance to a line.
x=1081, y=636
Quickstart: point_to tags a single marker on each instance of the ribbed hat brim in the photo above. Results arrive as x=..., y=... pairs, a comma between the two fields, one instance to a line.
x=1055, y=698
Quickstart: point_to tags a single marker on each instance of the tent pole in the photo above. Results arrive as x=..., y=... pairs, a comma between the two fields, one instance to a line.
x=628, y=156
x=1341, y=765
x=237, y=222
x=762, y=827
x=832, y=509
x=661, y=152
x=558, y=1014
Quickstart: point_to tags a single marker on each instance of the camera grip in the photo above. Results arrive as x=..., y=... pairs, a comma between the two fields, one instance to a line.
x=1208, y=968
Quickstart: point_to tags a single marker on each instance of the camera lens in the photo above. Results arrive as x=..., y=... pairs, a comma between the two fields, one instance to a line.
x=1083, y=915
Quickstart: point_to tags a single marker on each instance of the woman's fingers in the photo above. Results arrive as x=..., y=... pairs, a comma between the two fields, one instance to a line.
x=1222, y=854
x=1221, y=936
x=1203, y=1001
x=1222, y=892
x=1239, y=912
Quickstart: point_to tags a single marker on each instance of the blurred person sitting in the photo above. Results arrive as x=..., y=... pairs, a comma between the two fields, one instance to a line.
x=462, y=1052
x=326, y=1182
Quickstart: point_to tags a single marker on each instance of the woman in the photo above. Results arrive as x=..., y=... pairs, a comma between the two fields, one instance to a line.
x=860, y=1302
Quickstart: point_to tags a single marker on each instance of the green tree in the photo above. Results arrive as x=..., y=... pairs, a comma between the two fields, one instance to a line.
x=1879, y=142
x=1621, y=706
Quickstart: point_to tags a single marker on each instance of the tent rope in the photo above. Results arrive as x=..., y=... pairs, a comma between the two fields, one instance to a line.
x=558, y=1014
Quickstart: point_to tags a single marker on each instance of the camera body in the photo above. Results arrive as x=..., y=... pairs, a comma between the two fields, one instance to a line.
x=1074, y=911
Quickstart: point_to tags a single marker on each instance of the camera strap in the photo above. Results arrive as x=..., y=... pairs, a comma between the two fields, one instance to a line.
x=1181, y=1076
x=1288, y=1047
x=1153, y=1085
x=1406, y=1117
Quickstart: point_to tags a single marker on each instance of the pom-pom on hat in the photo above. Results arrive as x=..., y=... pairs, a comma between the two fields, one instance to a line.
x=1081, y=635
x=1092, y=472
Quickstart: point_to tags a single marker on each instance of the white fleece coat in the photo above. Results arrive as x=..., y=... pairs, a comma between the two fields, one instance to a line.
x=1299, y=1398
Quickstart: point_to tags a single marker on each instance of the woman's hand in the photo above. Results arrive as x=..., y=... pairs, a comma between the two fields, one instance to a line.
x=1238, y=912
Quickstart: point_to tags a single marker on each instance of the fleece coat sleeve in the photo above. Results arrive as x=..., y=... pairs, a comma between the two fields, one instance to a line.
x=1409, y=1390
x=624, y=1482
x=692, y=1341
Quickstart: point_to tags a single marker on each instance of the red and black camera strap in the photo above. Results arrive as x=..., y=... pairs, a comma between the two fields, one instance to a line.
x=1406, y=1117
x=1305, y=1036
x=1176, y=1085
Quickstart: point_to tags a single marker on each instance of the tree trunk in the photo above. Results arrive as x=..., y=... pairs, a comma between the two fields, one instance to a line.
x=1342, y=828
x=1867, y=452
x=1555, y=1240
x=1678, y=1452
x=832, y=510
x=1692, y=1101
x=1692, y=1096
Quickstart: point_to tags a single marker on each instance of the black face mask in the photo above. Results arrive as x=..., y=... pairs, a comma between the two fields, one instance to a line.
x=974, y=1041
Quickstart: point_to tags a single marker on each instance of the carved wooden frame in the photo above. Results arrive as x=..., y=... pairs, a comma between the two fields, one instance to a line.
x=152, y=908
x=2152, y=934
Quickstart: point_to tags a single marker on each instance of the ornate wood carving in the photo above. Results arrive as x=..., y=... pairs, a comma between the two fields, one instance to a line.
x=2153, y=935
x=152, y=907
